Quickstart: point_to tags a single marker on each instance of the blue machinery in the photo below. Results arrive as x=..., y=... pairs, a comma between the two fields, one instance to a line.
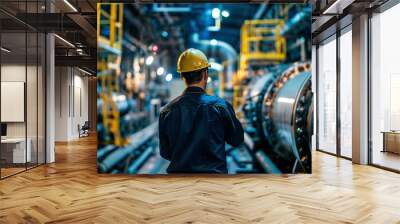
x=278, y=111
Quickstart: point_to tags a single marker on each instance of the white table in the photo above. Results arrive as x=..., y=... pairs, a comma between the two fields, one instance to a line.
x=18, y=145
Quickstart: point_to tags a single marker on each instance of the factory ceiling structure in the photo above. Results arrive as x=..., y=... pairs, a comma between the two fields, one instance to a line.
x=211, y=27
x=181, y=24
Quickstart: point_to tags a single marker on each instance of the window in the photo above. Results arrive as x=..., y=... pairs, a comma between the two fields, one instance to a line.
x=385, y=89
x=346, y=93
x=327, y=96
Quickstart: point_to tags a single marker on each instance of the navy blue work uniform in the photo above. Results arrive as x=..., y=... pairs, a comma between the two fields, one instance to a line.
x=193, y=129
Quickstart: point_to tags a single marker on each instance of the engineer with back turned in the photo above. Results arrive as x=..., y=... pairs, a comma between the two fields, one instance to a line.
x=194, y=127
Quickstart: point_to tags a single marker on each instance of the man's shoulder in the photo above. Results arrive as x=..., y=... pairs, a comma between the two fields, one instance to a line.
x=216, y=101
x=170, y=105
x=205, y=100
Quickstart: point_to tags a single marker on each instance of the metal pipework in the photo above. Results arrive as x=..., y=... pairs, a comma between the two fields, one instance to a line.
x=278, y=110
x=295, y=23
x=125, y=158
x=228, y=52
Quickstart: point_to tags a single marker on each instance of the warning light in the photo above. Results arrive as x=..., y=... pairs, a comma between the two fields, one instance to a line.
x=154, y=48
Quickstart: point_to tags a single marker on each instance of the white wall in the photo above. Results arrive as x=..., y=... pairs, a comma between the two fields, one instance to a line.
x=33, y=127
x=385, y=74
x=62, y=82
x=9, y=73
x=80, y=100
x=71, y=94
x=12, y=73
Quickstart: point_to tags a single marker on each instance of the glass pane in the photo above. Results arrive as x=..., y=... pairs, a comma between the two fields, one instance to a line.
x=346, y=94
x=385, y=86
x=41, y=99
x=327, y=96
x=13, y=85
x=31, y=97
x=22, y=82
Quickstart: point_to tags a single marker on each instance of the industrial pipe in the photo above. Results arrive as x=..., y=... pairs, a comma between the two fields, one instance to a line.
x=293, y=25
x=229, y=53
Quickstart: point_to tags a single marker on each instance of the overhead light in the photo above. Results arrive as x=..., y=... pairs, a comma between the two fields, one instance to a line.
x=78, y=44
x=70, y=5
x=225, y=14
x=213, y=42
x=79, y=51
x=213, y=28
x=216, y=13
x=84, y=71
x=149, y=60
x=164, y=34
x=65, y=41
x=160, y=71
x=5, y=50
x=168, y=77
x=154, y=48
x=171, y=9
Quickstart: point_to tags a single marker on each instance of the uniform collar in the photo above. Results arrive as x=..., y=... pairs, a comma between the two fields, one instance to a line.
x=194, y=89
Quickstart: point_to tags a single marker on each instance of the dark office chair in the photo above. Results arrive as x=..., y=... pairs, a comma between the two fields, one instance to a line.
x=84, y=130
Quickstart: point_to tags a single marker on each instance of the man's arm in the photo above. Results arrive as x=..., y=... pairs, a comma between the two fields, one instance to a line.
x=233, y=128
x=164, y=146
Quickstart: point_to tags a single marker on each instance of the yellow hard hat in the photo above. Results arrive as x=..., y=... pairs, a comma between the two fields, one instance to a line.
x=192, y=60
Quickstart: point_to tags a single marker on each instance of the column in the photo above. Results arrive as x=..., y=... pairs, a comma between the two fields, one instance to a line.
x=360, y=90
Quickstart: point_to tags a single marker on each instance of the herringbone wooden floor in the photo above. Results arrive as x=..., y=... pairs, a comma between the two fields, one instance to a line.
x=70, y=191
